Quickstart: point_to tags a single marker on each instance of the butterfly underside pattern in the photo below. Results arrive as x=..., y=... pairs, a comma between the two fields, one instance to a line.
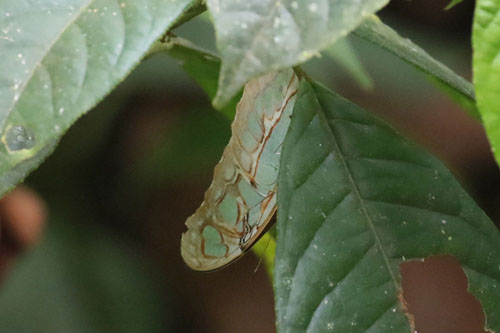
x=241, y=200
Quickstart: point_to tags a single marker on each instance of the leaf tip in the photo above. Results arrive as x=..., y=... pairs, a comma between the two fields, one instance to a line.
x=452, y=4
x=223, y=96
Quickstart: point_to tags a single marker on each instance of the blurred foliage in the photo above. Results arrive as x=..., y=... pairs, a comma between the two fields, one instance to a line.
x=343, y=52
x=83, y=279
x=453, y=3
x=375, y=31
x=97, y=268
x=486, y=66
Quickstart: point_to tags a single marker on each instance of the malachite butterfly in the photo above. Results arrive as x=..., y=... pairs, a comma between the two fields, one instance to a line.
x=241, y=200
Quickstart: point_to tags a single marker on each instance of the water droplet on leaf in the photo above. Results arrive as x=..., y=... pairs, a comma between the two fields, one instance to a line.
x=19, y=138
x=313, y=7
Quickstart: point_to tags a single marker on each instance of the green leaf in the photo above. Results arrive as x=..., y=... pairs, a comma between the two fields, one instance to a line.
x=376, y=32
x=203, y=67
x=453, y=3
x=343, y=52
x=355, y=200
x=257, y=36
x=265, y=249
x=59, y=58
x=486, y=67
x=468, y=104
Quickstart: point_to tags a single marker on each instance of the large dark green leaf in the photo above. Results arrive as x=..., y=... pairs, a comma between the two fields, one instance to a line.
x=59, y=58
x=486, y=65
x=256, y=36
x=461, y=90
x=356, y=200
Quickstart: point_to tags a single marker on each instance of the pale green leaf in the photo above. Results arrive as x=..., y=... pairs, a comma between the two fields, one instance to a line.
x=376, y=32
x=355, y=200
x=453, y=3
x=486, y=66
x=256, y=36
x=343, y=52
x=203, y=67
x=59, y=58
x=265, y=250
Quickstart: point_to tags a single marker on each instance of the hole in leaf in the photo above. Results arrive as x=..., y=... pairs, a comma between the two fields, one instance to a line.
x=435, y=291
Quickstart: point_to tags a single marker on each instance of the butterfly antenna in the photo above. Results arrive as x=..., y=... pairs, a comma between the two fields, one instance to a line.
x=261, y=258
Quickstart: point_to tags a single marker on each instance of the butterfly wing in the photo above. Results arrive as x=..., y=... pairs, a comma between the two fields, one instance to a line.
x=241, y=200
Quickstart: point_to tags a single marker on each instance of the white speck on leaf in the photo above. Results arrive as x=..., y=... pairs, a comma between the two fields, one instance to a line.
x=276, y=22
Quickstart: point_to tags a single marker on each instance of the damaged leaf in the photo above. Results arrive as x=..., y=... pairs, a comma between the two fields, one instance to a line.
x=355, y=200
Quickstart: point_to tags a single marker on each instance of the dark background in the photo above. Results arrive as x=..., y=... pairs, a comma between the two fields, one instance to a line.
x=94, y=245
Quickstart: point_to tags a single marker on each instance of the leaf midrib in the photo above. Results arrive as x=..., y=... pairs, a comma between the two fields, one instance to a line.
x=355, y=188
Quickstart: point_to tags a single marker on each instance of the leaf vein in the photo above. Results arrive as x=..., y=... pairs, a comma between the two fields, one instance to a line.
x=356, y=190
x=44, y=55
x=381, y=315
x=348, y=272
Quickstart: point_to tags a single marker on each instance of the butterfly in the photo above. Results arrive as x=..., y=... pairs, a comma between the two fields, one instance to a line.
x=241, y=201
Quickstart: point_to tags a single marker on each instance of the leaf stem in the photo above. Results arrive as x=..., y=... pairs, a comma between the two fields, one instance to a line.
x=197, y=7
x=168, y=40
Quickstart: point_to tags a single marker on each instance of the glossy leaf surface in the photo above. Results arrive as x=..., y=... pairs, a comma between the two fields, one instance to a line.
x=356, y=200
x=59, y=58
